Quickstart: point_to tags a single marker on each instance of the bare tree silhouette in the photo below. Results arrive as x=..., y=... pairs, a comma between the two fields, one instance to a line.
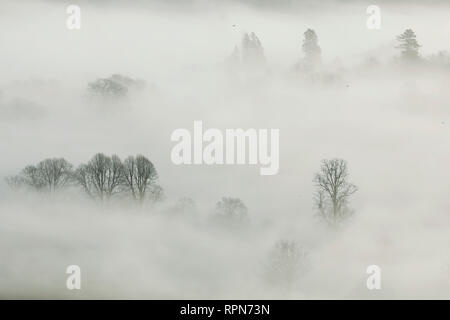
x=333, y=190
x=286, y=263
x=101, y=177
x=48, y=175
x=139, y=176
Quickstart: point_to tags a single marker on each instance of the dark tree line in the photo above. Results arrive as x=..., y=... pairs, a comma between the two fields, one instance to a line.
x=100, y=178
x=103, y=177
x=252, y=52
x=115, y=86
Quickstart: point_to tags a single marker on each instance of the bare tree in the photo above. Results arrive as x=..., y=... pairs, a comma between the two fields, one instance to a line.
x=139, y=176
x=101, y=177
x=15, y=182
x=232, y=208
x=32, y=178
x=287, y=262
x=48, y=175
x=333, y=190
x=157, y=193
x=55, y=173
x=84, y=177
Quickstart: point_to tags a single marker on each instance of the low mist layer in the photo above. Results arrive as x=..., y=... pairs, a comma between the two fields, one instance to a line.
x=134, y=73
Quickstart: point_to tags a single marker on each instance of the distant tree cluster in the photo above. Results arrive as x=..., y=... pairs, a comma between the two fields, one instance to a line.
x=230, y=212
x=250, y=54
x=100, y=178
x=252, y=50
x=183, y=205
x=231, y=208
x=48, y=175
x=115, y=86
x=287, y=261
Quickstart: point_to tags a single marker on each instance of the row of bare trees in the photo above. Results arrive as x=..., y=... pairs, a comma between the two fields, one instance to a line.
x=100, y=178
x=105, y=176
x=48, y=175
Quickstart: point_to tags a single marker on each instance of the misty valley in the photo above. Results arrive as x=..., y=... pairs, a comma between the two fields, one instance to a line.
x=224, y=150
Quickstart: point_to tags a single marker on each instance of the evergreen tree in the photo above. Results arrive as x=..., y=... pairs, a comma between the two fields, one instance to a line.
x=311, y=48
x=408, y=45
x=252, y=50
